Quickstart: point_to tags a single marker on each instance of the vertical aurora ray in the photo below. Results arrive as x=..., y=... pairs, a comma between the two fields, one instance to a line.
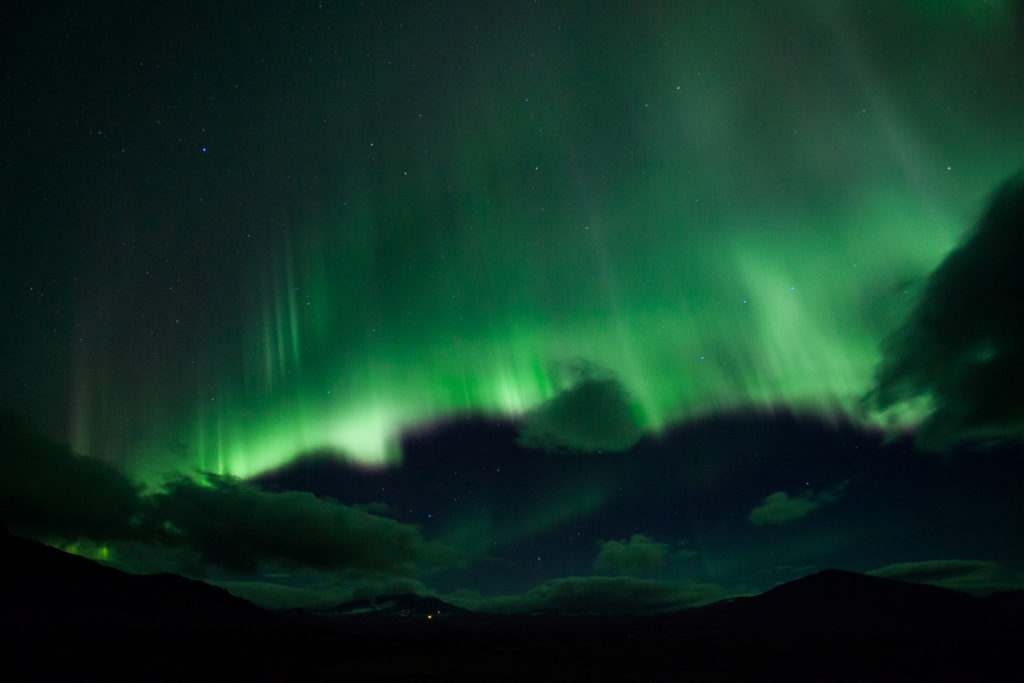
x=758, y=321
x=771, y=323
x=716, y=223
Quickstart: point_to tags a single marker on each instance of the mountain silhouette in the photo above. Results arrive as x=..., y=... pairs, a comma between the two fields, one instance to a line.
x=61, y=610
x=45, y=588
x=837, y=603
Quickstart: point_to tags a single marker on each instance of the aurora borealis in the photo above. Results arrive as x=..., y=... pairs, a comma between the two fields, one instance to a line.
x=259, y=241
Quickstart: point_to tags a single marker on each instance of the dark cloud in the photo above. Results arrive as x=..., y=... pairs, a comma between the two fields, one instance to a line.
x=962, y=346
x=240, y=526
x=635, y=555
x=598, y=594
x=49, y=492
x=782, y=508
x=593, y=414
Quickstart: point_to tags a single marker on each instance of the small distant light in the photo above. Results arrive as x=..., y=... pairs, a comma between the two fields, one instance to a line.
x=430, y=616
x=204, y=149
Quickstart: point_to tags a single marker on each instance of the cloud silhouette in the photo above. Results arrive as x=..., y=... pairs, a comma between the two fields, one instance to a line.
x=49, y=492
x=962, y=347
x=593, y=414
x=781, y=508
x=239, y=526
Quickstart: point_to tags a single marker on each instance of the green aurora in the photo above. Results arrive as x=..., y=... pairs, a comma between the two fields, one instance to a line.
x=529, y=306
x=711, y=206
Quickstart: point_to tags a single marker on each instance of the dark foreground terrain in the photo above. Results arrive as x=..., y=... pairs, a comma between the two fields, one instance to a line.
x=70, y=617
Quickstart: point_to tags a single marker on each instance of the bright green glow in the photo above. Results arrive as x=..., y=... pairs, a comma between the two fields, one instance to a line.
x=761, y=321
x=720, y=223
x=88, y=549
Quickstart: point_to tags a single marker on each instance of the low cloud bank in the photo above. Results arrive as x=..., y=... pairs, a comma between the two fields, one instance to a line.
x=50, y=493
x=979, y=577
x=596, y=594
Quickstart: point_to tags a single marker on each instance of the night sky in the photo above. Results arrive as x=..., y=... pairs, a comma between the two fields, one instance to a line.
x=527, y=305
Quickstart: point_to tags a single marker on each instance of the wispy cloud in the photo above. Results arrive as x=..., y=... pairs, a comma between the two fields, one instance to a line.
x=782, y=508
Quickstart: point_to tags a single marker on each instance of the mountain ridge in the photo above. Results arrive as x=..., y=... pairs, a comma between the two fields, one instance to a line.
x=873, y=628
